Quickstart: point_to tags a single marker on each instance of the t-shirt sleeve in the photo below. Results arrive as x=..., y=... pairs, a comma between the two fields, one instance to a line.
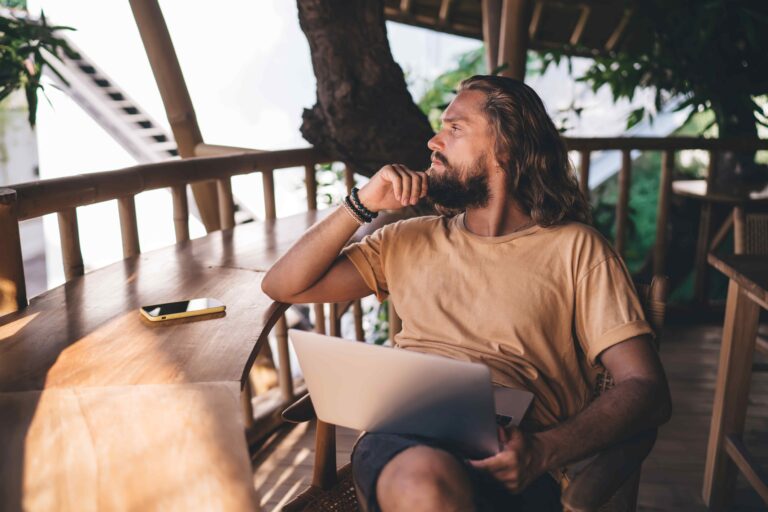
x=367, y=257
x=607, y=308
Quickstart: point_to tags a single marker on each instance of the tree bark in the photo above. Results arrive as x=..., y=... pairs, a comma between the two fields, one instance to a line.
x=364, y=114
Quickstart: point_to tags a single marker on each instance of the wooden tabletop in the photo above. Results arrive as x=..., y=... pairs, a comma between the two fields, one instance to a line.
x=750, y=272
x=102, y=409
x=735, y=195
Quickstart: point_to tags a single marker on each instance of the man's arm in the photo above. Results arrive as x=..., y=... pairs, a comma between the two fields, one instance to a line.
x=312, y=269
x=639, y=400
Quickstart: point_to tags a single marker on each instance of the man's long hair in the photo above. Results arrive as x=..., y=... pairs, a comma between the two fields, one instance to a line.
x=531, y=151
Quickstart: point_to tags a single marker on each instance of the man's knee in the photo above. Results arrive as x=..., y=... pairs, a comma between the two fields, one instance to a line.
x=424, y=478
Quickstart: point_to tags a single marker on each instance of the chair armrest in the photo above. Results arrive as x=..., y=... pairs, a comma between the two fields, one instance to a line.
x=594, y=485
x=300, y=411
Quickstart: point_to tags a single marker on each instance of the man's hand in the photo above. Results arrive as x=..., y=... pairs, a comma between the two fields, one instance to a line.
x=393, y=187
x=520, y=462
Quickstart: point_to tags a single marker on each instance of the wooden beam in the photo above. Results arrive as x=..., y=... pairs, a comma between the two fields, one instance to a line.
x=662, y=213
x=533, y=28
x=584, y=172
x=578, y=30
x=445, y=11
x=615, y=37
x=405, y=6
x=178, y=104
x=491, y=32
x=513, y=45
x=13, y=289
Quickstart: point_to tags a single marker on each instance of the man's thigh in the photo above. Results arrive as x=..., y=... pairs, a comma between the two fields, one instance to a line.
x=373, y=452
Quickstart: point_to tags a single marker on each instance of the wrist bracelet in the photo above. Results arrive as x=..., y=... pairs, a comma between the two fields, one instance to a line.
x=345, y=204
x=360, y=214
x=359, y=204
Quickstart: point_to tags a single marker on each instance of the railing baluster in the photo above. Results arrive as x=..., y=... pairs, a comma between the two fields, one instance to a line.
x=335, y=313
x=268, y=180
x=180, y=213
x=622, y=205
x=357, y=311
x=310, y=180
x=70, y=243
x=126, y=207
x=13, y=289
x=320, y=318
x=226, y=203
x=584, y=171
x=283, y=355
x=662, y=212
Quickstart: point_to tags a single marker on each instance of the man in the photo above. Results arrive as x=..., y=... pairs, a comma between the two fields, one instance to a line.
x=516, y=281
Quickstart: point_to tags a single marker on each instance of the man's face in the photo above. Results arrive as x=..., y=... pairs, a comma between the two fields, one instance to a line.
x=458, y=176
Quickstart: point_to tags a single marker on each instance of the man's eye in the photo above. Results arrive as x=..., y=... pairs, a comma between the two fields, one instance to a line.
x=454, y=128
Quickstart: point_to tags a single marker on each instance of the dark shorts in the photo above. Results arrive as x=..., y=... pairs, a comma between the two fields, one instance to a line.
x=373, y=451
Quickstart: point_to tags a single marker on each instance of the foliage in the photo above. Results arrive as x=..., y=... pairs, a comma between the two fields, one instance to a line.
x=23, y=46
x=14, y=4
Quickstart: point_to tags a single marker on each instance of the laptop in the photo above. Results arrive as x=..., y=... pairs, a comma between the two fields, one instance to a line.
x=384, y=390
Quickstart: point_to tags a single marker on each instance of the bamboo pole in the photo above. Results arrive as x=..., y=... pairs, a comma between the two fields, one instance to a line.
x=173, y=91
x=662, y=213
x=70, y=244
x=320, y=318
x=324, y=470
x=13, y=289
x=513, y=45
x=334, y=316
x=226, y=203
x=310, y=180
x=357, y=311
x=491, y=32
x=622, y=205
x=180, y=213
x=126, y=207
x=285, y=376
x=584, y=172
x=268, y=180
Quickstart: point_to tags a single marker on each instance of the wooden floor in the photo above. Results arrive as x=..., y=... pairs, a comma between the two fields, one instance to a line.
x=672, y=474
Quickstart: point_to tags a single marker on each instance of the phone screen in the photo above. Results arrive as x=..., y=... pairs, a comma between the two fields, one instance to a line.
x=184, y=306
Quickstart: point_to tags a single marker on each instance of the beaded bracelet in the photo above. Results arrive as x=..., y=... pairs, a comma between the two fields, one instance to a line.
x=348, y=207
x=359, y=204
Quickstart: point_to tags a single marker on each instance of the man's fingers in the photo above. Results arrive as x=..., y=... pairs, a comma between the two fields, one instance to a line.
x=405, y=198
x=397, y=182
x=415, y=187
x=492, y=463
x=424, y=184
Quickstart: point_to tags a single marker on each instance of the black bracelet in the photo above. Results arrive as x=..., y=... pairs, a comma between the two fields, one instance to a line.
x=360, y=205
x=360, y=215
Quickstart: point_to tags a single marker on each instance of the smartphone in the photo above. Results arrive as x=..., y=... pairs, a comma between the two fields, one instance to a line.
x=182, y=309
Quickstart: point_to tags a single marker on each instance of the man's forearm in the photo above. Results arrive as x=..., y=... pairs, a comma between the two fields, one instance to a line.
x=310, y=257
x=632, y=406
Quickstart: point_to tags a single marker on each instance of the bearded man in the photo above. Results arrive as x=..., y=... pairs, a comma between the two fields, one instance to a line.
x=516, y=281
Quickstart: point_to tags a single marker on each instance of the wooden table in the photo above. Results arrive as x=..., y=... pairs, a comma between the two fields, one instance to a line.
x=747, y=293
x=736, y=198
x=103, y=410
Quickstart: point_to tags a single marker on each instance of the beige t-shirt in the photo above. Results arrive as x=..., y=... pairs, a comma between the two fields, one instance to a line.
x=537, y=306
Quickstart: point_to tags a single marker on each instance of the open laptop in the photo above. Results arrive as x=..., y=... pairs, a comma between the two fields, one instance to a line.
x=385, y=390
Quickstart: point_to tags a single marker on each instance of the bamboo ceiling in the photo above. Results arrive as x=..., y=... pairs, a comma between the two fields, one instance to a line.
x=581, y=27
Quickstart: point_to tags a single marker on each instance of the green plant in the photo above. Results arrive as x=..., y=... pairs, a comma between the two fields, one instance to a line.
x=23, y=46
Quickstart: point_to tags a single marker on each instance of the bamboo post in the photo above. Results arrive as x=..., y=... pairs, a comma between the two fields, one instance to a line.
x=491, y=32
x=324, y=470
x=739, y=230
x=126, y=207
x=395, y=324
x=357, y=311
x=622, y=205
x=226, y=203
x=283, y=355
x=513, y=45
x=335, y=319
x=180, y=213
x=584, y=172
x=173, y=91
x=13, y=289
x=268, y=181
x=310, y=180
x=320, y=318
x=70, y=243
x=662, y=212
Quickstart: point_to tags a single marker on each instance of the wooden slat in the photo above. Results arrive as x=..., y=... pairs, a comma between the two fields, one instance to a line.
x=584, y=172
x=721, y=233
x=324, y=474
x=739, y=230
x=533, y=28
x=712, y=167
x=615, y=37
x=129, y=229
x=310, y=182
x=513, y=45
x=203, y=149
x=445, y=11
x=491, y=32
x=180, y=213
x=731, y=394
x=69, y=235
x=284, y=360
x=700, y=270
x=405, y=6
x=13, y=290
x=226, y=203
x=320, y=318
x=622, y=204
x=747, y=465
x=662, y=213
x=334, y=317
x=357, y=311
x=578, y=30
x=268, y=181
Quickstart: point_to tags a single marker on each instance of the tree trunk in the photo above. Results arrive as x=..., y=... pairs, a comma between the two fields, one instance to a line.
x=364, y=114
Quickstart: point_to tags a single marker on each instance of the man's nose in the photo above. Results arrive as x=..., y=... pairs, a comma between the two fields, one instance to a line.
x=435, y=143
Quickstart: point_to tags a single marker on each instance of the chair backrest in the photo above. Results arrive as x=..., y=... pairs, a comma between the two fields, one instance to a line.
x=756, y=239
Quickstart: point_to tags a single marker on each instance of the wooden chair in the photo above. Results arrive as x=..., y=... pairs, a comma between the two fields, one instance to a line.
x=607, y=483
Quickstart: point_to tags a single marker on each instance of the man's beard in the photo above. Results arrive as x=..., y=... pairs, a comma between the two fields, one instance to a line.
x=449, y=191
